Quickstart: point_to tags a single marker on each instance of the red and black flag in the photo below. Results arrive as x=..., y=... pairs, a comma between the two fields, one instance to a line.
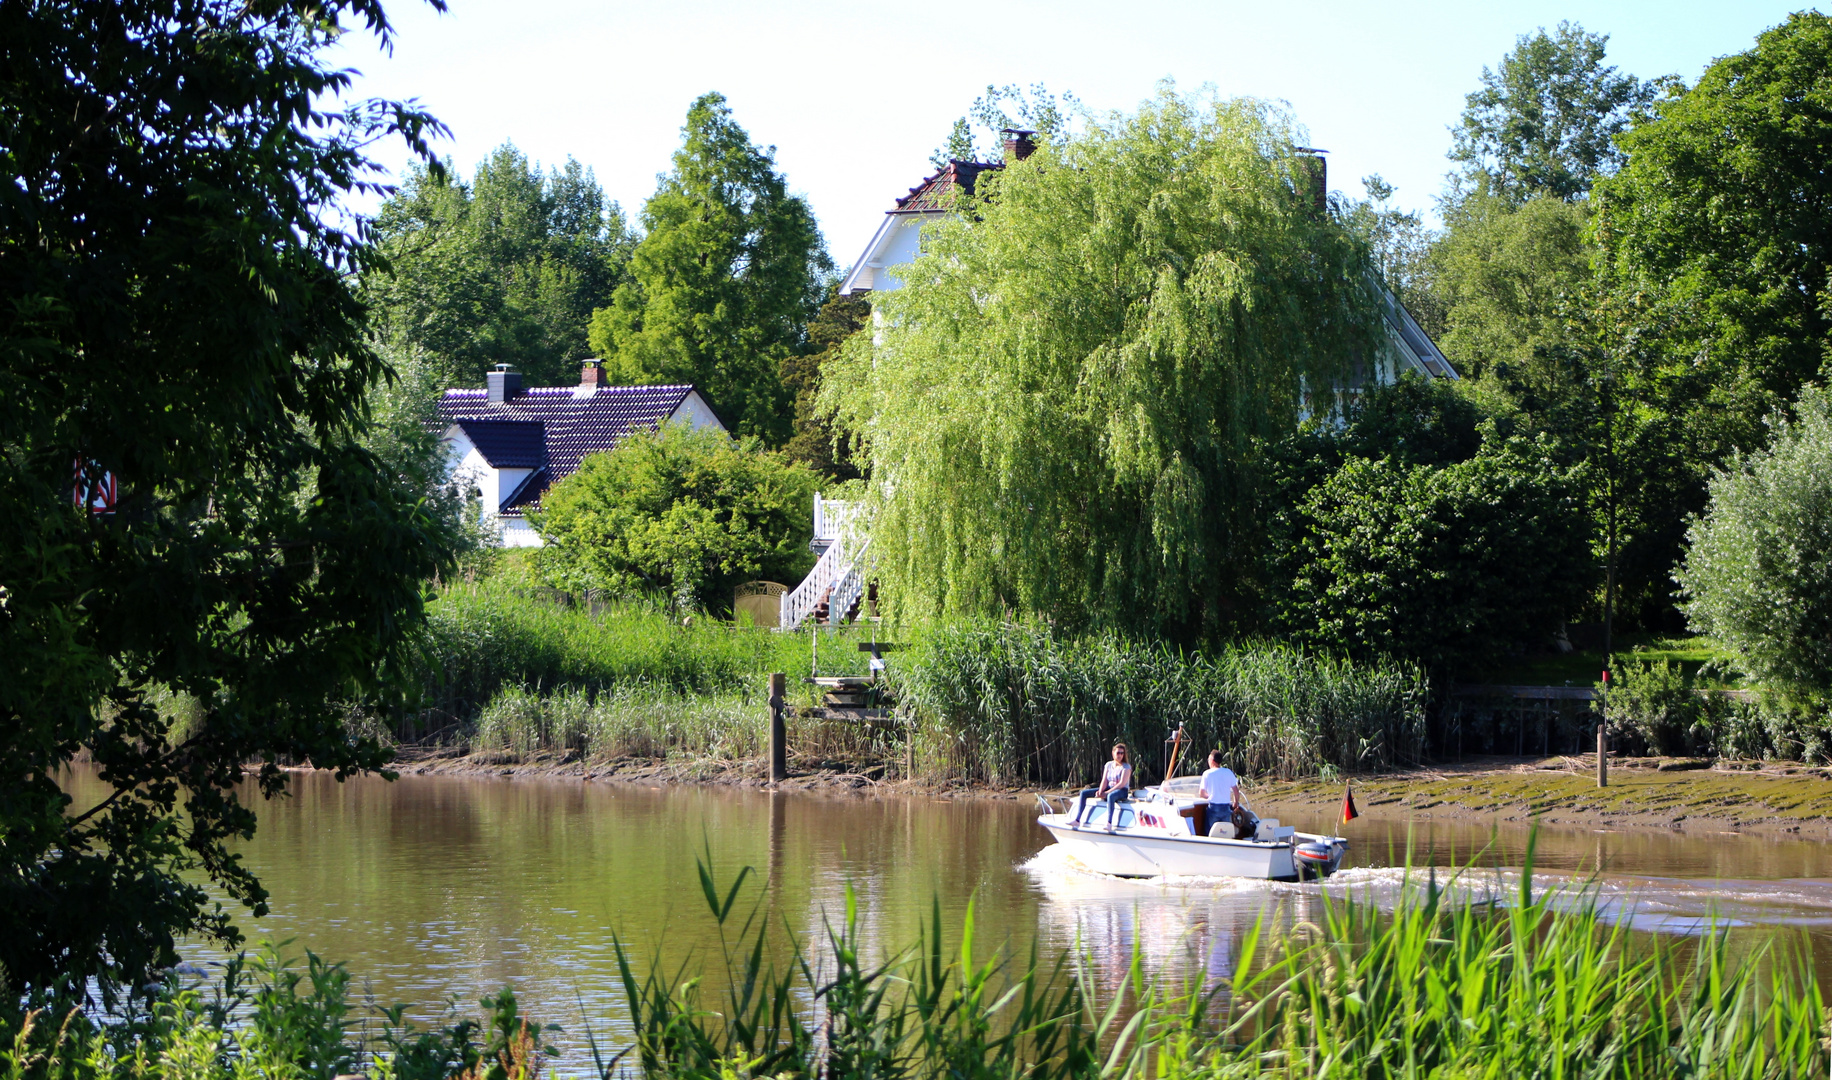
x=1348, y=804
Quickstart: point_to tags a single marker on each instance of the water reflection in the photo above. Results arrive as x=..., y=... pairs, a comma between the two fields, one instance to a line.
x=433, y=888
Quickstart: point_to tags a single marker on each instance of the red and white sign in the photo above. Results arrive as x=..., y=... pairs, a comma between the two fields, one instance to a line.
x=95, y=488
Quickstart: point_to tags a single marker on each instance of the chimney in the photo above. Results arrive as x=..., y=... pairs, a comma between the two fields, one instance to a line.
x=591, y=375
x=503, y=383
x=1018, y=144
x=1319, y=176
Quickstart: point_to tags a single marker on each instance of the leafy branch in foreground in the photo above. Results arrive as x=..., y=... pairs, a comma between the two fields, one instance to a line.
x=188, y=504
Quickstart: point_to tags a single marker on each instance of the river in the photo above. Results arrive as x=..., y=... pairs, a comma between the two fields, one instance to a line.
x=435, y=888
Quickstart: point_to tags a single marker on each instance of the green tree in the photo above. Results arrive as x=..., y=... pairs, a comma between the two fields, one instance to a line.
x=689, y=514
x=507, y=268
x=1757, y=574
x=1511, y=277
x=1722, y=220
x=816, y=443
x=1453, y=565
x=179, y=321
x=725, y=281
x=1543, y=122
x=1402, y=246
x=1064, y=401
x=1716, y=246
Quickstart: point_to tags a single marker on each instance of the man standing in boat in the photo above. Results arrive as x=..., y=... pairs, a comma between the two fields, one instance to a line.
x=1115, y=787
x=1222, y=790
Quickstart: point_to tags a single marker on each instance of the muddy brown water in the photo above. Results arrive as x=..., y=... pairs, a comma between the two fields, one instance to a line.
x=440, y=888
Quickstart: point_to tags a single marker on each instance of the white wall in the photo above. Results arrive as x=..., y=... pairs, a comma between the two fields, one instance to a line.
x=898, y=241
x=694, y=410
x=518, y=533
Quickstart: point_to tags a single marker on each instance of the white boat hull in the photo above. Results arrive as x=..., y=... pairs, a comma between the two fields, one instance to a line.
x=1126, y=853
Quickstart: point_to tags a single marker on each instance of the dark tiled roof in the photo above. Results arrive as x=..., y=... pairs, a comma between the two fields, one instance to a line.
x=570, y=425
x=508, y=444
x=937, y=192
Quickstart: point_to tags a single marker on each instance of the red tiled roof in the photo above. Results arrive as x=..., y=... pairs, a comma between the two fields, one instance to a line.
x=570, y=425
x=938, y=191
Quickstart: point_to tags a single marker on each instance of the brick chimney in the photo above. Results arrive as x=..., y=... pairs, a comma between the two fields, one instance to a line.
x=504, y=384
x=1018, y=144
x=1319, y=176
x=591, y=375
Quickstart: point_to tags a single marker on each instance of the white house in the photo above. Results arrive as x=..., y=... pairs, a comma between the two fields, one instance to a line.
x=512, y=444
x=834, y=587
x=899, y=240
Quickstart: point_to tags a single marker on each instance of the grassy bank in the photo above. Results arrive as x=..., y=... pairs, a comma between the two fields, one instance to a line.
x=506, y=671
x=1445, y=984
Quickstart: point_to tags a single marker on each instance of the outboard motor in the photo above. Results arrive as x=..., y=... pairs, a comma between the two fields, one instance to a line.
x=1317, y=859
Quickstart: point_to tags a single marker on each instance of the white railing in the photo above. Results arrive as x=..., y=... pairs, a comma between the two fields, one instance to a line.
x=831, y=518
x=838, y=576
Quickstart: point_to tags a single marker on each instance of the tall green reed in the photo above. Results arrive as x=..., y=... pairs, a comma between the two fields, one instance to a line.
x=1014, y=702
x=1542, y=987
x=485, y=637
x=1440, y=984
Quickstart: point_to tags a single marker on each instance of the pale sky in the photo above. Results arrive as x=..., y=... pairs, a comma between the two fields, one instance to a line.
x=855, y=96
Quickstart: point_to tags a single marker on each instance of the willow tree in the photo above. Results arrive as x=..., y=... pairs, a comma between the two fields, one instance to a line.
x=1063, y=403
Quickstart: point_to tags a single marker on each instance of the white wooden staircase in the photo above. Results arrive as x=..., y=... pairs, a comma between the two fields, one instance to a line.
x=834, y=590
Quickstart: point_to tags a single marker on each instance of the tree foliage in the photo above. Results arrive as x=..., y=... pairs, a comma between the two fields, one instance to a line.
x=178, y=320
x=1511, y=278
x=689, y=514
x=1757, y=575
x=1402, y=246
x=1453, y=565
x=1722, y=219
x=724, y=282
x=1065, y=398
x=816, y=443
x=1542, y=123
x=506, y=268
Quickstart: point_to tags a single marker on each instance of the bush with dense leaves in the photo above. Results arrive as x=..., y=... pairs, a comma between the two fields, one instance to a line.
x=687, y=514
x=1758, y=570
x=1451, y=564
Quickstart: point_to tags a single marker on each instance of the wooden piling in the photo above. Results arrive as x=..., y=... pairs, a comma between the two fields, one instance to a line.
x=1602, y=756
x=779, y=739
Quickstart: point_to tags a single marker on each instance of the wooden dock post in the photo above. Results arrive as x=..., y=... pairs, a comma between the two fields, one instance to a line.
x=779, y=740
x=1602, y=756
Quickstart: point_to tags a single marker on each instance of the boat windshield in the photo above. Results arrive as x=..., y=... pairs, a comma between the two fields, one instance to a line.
x=1181, y=785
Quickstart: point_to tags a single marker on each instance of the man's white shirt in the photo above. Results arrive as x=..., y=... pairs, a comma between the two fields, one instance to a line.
x=1218, y=784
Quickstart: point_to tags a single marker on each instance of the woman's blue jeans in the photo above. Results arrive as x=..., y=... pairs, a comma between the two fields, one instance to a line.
x=1112, y=799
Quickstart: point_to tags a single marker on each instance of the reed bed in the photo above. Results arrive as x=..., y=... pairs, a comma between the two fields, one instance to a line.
x=1011, y=702
x=482, y=639
x=1436, y=984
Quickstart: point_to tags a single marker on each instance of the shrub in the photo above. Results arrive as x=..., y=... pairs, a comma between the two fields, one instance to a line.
x=1757, y=574
x=1447, y=565
x=689, y=514
x=1656, y=705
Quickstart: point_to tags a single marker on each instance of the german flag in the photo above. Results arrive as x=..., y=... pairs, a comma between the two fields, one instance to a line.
x=1348, y=804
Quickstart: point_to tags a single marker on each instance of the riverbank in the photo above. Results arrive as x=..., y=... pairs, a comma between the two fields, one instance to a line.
x=1687, y=794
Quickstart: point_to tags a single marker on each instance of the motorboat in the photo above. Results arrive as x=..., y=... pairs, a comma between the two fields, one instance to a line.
x=1156, y=835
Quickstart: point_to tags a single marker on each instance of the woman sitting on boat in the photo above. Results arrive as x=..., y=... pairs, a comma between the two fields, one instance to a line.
x=1115, y=787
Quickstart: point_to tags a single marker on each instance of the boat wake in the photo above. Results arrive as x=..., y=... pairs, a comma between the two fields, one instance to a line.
x=1670, y=905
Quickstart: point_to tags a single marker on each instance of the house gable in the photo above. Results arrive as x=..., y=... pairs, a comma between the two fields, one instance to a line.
x=515, y=447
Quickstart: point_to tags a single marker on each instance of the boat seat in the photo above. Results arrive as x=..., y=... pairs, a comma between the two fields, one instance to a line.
x=1271, y=831
x=1222, y=830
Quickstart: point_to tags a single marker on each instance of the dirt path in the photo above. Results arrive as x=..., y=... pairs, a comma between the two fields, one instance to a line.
x=1651, y=793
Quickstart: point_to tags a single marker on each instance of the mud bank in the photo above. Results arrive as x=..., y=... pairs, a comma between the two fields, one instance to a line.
x=1651, y=793
x=1643, y=793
